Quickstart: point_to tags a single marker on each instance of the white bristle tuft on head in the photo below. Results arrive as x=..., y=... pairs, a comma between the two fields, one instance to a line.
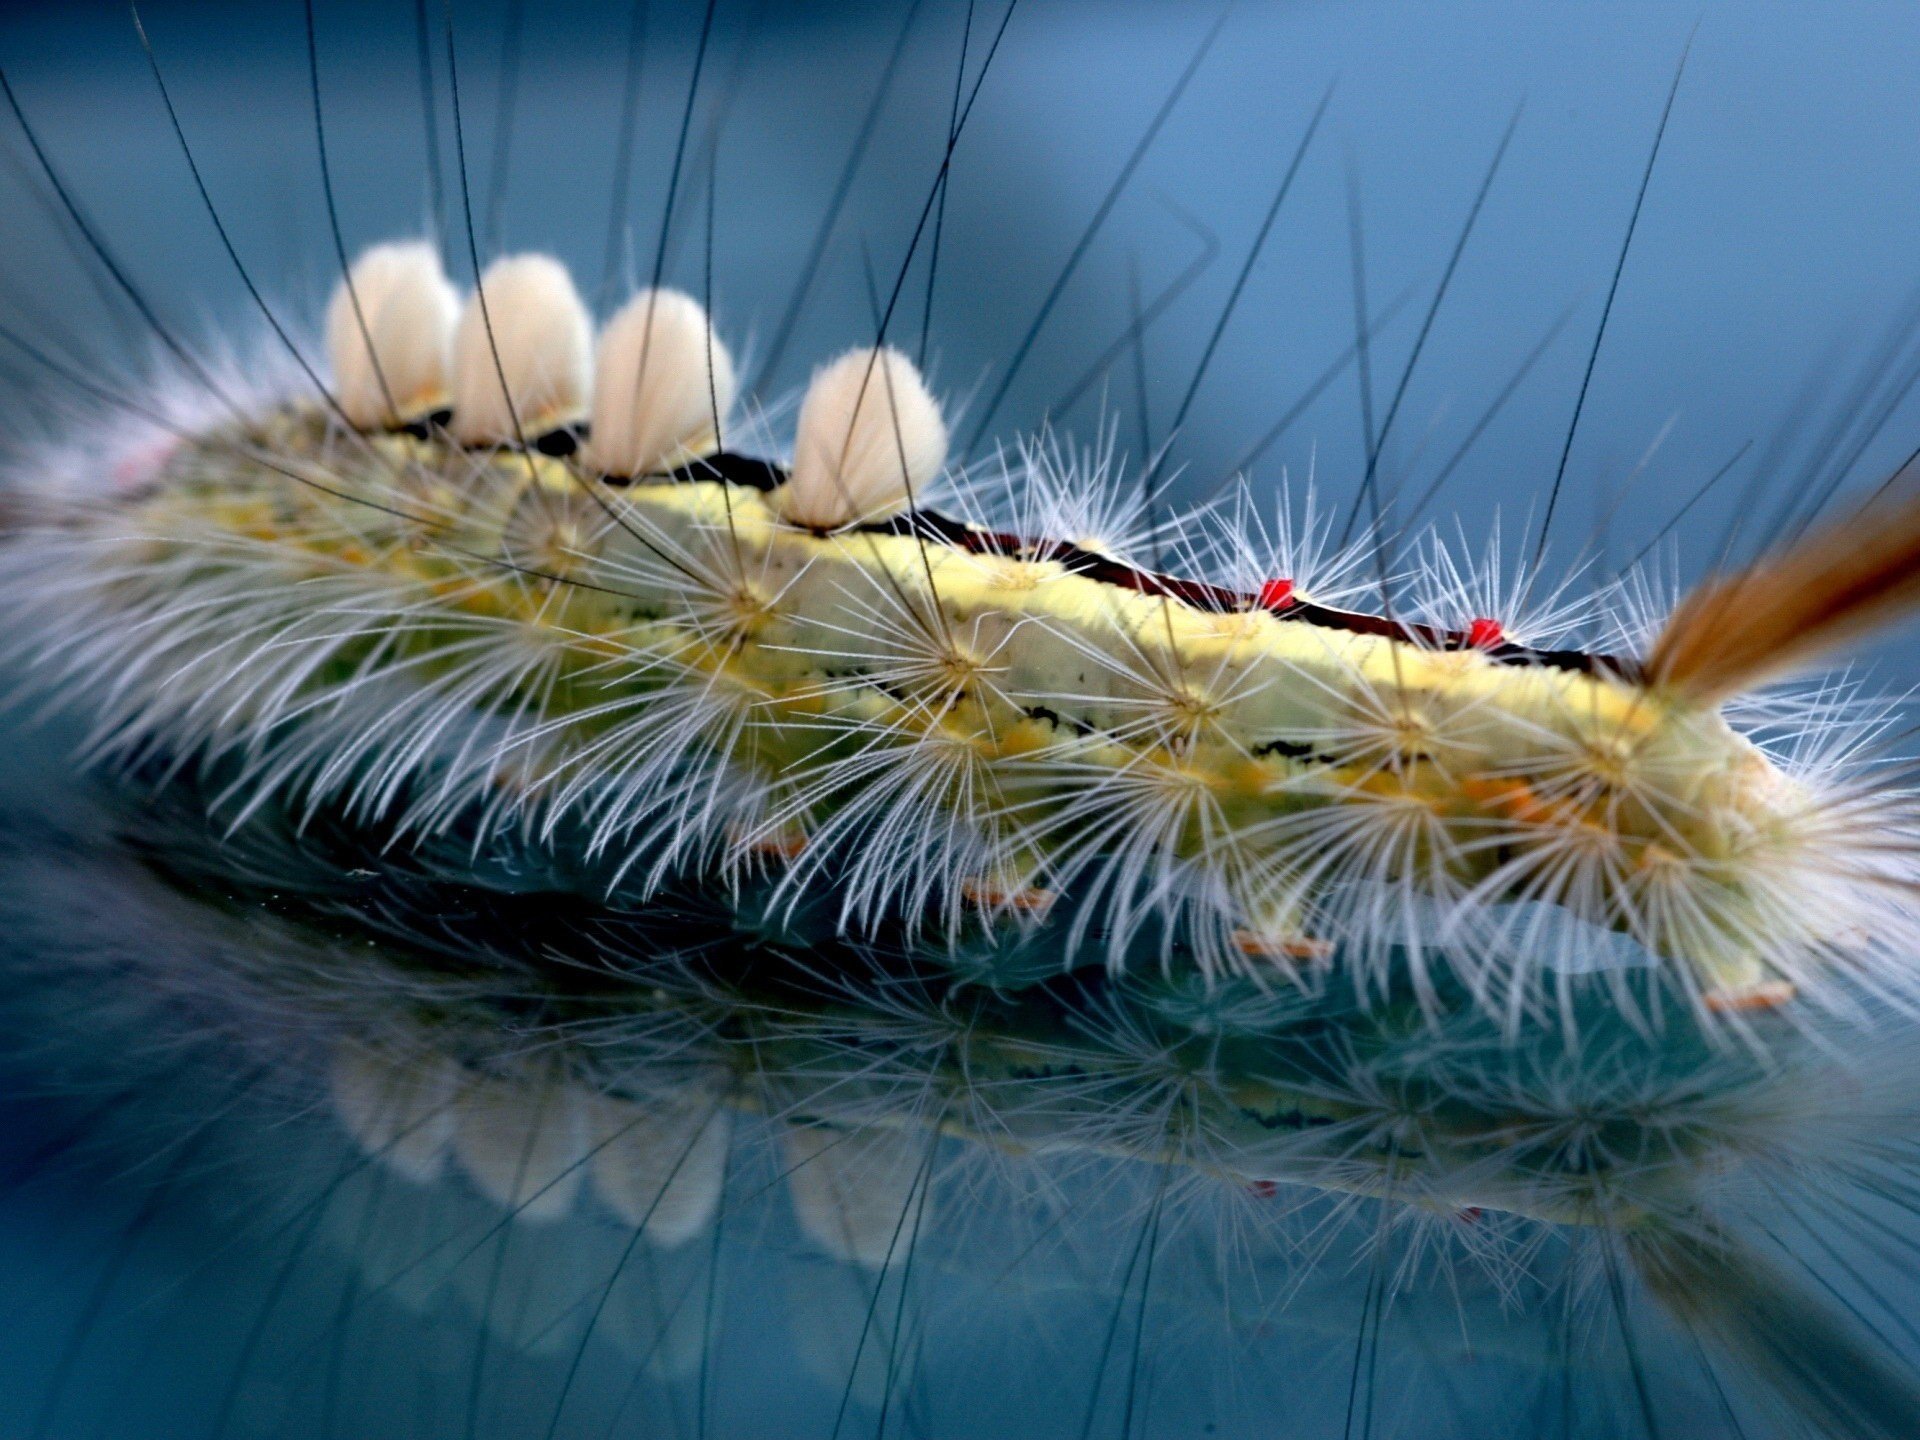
x=663, y=385
x=390, y=335
x=533, y=332
x=870, y=437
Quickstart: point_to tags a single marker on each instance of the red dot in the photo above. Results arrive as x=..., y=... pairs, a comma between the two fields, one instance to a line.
x=1485, y=634
x=1275, y=595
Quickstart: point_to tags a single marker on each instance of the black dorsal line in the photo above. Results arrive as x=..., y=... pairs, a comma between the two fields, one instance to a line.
x=752, y=473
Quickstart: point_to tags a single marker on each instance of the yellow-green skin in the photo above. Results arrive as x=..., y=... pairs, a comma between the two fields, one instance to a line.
x=836, y=642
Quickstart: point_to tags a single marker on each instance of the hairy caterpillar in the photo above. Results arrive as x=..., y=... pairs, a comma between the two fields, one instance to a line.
x=544, y=796
x=953, y=718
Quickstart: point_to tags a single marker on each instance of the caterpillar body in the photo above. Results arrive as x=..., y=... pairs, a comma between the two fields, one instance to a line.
x=810, y=667
x=544, y=828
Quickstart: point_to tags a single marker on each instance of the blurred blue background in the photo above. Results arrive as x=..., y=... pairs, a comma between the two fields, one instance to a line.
x=1775, y=248
x=1766, y=308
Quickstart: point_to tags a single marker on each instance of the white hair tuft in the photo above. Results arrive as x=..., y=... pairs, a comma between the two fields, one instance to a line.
x=663, y=386
x=870, y=437
x=523, y=353
x=390, y=335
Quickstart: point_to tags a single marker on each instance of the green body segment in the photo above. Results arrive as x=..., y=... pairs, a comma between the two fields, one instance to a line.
x=1058, y=717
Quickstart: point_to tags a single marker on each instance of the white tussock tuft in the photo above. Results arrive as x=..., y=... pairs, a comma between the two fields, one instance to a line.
x=390, y=335
x=870, y=438
x=663, y=386
x=528, y=328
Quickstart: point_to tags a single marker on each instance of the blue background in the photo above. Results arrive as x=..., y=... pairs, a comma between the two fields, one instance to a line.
x=1771, y=292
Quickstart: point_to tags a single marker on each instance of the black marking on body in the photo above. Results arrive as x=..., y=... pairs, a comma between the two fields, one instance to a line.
x=1292, y=1118
x=429, y=427
x=1291, y=750
x=1057, y=720
x=732, y=469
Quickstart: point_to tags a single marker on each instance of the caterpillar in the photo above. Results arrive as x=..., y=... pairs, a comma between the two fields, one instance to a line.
x=807, y=665
x=646, y=922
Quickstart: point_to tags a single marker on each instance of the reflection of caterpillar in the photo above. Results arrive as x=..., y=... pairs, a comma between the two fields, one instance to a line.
x=931, y=841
